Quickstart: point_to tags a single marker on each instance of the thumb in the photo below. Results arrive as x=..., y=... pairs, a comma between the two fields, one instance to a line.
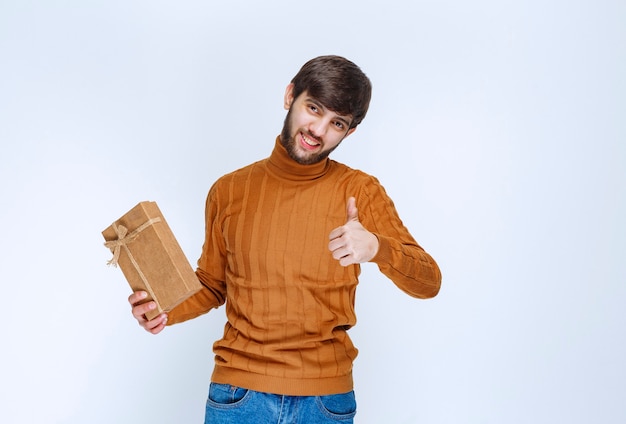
x=352, y=211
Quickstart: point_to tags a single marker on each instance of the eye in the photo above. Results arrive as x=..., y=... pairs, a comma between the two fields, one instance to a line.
x=313, y=108
x=339, y=125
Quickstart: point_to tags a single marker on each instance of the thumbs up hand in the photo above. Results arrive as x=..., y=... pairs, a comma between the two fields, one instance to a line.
x=352, y=243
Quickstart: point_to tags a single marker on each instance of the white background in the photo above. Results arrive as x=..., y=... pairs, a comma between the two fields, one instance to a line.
x=498, y=127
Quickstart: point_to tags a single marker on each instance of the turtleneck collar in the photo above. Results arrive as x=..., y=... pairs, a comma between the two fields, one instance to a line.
x=282, y=166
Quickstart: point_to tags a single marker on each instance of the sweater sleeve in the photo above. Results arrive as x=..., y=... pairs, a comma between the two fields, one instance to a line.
x=210, y=270
x=399, y=256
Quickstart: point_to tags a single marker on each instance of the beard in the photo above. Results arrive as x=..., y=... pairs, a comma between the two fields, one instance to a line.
x=290, y=144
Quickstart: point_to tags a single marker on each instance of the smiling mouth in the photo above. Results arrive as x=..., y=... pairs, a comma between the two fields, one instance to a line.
x=308, y=142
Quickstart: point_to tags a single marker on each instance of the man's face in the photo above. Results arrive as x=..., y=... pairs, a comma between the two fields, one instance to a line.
x=311, y=132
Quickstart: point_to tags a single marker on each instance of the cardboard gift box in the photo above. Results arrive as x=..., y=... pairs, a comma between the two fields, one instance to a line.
x=151, y=259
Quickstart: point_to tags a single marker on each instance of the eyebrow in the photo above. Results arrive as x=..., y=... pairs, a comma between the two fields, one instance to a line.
x=342, y=118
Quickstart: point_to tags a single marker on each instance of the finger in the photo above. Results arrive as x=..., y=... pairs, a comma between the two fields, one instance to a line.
x=155, y=325
x=336, y=233
x=140, y=310
x=157, y=330
x=347, y=260
x=335, y=244
x=338, y=254
x=342, y=253
x=345, y=256
x=351, y=210
x=137, y=297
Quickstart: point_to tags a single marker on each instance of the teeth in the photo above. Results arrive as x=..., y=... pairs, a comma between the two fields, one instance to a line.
x=309, y=141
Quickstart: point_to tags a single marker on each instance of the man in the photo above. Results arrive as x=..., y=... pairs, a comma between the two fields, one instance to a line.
x=284, y=240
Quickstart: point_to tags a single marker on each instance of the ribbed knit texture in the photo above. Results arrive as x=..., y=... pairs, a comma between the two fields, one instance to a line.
x=288, y=302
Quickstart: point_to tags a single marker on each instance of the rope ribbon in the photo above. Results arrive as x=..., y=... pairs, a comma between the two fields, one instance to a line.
x=123, y=238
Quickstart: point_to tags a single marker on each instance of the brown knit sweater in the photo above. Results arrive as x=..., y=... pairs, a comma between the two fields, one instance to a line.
x=289, y=304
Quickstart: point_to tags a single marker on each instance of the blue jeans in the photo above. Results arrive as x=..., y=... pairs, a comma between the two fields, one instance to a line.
x=233, y=405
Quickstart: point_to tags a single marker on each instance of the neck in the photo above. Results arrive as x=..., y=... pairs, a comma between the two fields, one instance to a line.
x=283, y=166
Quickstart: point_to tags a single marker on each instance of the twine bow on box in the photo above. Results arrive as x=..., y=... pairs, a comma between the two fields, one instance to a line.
x=123, y=238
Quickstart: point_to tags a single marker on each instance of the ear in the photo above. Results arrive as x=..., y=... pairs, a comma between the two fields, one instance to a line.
x=350, y=131
x=288, y=96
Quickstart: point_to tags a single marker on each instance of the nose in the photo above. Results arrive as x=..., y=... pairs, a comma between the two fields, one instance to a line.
x=318, y=127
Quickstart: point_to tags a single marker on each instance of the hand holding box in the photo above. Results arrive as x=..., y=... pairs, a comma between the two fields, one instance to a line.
x=151, y=259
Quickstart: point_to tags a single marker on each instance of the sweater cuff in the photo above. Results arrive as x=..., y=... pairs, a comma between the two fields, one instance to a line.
x=384, y=250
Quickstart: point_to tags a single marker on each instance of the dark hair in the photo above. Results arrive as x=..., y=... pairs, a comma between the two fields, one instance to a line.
x=337, y=84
